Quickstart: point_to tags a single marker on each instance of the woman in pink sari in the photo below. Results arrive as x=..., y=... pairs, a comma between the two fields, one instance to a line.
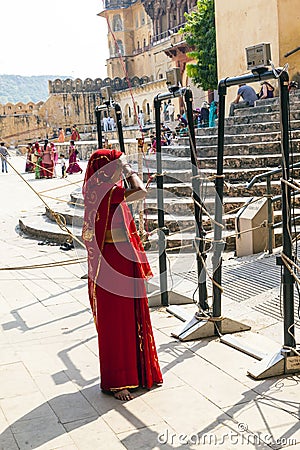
x=47, y=161
x=117, y=269
x=73, y=167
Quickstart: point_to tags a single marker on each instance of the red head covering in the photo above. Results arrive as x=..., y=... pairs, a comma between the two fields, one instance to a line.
x=100, y=191
x=102, y=164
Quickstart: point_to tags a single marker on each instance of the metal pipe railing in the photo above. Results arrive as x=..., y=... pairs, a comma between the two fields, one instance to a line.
x=271, y=200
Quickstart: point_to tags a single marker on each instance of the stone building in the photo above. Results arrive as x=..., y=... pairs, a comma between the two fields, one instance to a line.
x=143, y=45
x=250, y=22
x=143, y=41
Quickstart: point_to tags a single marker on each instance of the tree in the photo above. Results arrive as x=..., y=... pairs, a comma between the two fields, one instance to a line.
x=200, y=35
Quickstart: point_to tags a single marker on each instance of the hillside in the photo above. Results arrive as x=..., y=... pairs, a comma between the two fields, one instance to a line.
x=17, y=88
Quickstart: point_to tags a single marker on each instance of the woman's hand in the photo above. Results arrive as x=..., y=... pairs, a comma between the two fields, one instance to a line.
x=137, y=190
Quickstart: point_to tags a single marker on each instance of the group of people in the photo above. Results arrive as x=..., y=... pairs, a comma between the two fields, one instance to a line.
x=42, y=160
x=168, y=111
x=75, y=135
x=249, y=96
x=108, y=123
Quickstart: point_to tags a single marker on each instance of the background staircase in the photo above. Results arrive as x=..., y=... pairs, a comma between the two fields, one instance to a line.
x=252, y=146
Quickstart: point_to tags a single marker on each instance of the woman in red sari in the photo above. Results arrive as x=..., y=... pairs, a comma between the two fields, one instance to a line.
x=117, y=269
x=73, y=166
x=75, y=136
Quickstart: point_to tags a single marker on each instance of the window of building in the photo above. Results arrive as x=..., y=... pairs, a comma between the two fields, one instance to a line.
x=129, y=111
x=142, y=18
x=137, y=22
x=148, y=109
x=138, y=45
x=117, y=23
x=144, y=42
x=119, y=47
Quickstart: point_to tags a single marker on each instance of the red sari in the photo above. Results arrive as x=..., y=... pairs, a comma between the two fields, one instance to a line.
x=73, y=167
x=117, y=270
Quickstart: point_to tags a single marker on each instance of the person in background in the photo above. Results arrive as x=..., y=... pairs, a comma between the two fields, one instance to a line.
x=47, y=160
x=141, y=117
x=38, y=160
x=247, y=93
x=171, y=110
x=111, y=123
x=3, y=155
x=75, y=136
x=266, y=91
x=213, y=114
x=204, y=112
x=197, y=118
x=63, y=166
x=117, y=270
x=105, y=123
x=55, y=157
x=181, y=119
x=174, y=138
x=29, y=165
x=293, y=86
x=183, y=130
x=73, y=166
x=61, y=135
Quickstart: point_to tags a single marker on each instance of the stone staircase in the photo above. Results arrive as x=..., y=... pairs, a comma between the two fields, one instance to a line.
x=252, y=146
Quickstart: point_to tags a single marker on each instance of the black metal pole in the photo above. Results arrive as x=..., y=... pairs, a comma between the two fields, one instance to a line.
x=200, y=233
x=288, y=280
x=119, y=126
x=99, y=130
x=160, y=207
x=219, y=183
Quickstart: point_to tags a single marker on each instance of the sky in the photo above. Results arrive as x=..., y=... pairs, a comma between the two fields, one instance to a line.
x=56, y=37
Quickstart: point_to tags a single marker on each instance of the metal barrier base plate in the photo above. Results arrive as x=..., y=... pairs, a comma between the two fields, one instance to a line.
x=194, y=328
x=276, y=365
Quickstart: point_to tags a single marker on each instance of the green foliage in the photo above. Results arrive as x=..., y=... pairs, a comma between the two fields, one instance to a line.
x=17, y=88
x=200, y=34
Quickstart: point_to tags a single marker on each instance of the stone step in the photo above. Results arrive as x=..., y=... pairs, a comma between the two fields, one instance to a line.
x=184, y=242
x=258, y=118
x=234, y=162
x=264, y=108
x=231, y=175
x=263, y=127
x=231, y=150
x=43, y=228
x=243, y=128
x=242, y=138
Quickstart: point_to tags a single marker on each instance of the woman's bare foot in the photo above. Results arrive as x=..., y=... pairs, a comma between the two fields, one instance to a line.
x=123, y=395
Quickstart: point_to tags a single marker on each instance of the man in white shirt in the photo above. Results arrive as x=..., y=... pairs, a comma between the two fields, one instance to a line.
x=3, y=155
x=171, y=111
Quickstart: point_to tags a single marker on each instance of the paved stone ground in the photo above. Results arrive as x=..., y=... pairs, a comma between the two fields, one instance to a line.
x=49, y=374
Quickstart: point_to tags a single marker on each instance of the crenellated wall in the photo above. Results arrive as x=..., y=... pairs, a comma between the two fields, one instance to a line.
x=69, y=102
x=88, y=85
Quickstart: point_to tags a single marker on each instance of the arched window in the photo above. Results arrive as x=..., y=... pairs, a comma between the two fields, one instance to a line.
x=129, y=111
x=117, y=23
x=119, y=47
x=142, y=18
x=138, y=45
x=144, y=42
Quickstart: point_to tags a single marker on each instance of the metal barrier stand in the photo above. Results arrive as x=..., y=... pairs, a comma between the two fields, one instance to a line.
x=166, y=295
